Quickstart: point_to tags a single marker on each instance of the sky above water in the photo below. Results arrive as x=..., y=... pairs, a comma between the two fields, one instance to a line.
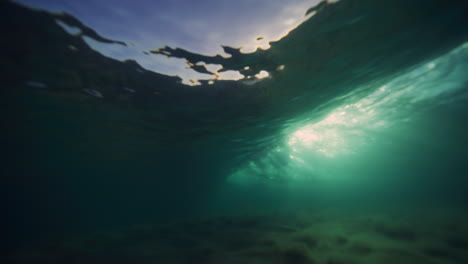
x=199, y=26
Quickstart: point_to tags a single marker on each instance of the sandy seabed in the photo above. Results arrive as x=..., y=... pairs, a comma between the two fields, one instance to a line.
x=434, y=236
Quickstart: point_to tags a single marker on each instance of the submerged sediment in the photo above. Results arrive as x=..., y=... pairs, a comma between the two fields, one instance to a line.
x=325, y=238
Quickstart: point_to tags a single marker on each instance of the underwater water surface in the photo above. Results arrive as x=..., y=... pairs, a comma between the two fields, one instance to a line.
x=263, y=132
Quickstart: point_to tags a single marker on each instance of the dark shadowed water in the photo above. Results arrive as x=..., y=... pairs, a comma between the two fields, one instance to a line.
x=352, y=149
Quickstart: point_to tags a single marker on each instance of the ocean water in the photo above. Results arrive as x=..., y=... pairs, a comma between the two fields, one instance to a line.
x=345, y=141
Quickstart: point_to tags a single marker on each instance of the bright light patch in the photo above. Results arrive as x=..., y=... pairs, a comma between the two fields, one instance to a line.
x=321, y=138
x=213, y=67
x=346, y=128
x=349, y=127
x=262, y=74
x=230, y=75
x=331, y=148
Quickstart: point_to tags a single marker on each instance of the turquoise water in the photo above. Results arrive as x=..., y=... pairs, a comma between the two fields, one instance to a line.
x=352, y=149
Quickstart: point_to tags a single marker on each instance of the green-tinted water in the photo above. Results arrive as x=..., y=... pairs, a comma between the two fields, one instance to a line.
x=352, y=149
